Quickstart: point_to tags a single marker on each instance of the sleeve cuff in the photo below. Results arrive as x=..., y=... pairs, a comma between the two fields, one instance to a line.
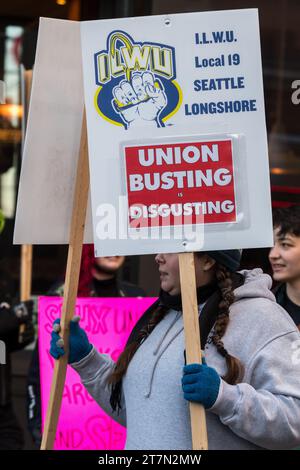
x=90, y=365
x=227, y=400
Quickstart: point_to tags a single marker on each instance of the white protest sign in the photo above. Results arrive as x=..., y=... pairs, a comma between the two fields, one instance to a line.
x=153, y=81
x=164, y=96
x=51, y=149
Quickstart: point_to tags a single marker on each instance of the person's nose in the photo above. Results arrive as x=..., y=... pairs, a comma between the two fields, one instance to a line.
x=274, y=252
x=159, y=258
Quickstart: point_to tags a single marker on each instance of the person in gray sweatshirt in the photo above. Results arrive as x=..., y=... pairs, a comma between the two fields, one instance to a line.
x=249, y=382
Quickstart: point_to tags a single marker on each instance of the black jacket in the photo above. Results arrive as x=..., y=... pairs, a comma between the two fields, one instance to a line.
x=283, y=300
x=11, y=318
x=10, y=432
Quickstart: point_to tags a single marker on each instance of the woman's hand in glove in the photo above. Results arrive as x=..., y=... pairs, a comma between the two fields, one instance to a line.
x=79, y=345
x=201, y=384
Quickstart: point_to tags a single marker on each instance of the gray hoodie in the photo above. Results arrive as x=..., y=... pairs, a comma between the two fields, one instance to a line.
x=263, y=411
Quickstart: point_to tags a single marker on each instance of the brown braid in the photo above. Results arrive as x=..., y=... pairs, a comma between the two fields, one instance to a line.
x=128, y=353
x=115, y=379
x=234, y=366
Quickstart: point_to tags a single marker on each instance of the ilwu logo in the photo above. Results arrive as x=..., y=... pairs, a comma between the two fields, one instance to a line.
x=136, y=81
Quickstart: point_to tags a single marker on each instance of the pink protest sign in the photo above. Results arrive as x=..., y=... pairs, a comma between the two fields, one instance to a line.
x=108, y=323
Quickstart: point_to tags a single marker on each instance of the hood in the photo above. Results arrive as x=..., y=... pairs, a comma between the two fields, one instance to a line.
x=257, y=284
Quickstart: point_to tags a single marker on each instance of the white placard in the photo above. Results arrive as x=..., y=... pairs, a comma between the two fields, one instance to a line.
x=185, y=71
x=51, y=149
x=174, y=77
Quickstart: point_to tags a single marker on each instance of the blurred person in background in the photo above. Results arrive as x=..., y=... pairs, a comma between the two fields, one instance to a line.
x=285, y=259
x=11, y=319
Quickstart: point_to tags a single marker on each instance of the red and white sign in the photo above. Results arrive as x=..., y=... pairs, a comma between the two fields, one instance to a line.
x=180, y=183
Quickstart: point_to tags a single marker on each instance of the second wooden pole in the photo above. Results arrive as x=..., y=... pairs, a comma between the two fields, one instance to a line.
x=192, y=342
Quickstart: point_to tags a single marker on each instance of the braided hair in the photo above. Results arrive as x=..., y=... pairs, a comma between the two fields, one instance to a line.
x=115, y=379
x=234, y=366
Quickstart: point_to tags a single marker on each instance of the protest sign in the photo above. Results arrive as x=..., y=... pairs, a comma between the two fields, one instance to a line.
x=152, y=85
x=108, y=323
x=150, y=79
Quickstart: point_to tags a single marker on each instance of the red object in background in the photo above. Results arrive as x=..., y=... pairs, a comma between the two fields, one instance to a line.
x=16, y=49
x=285, y=196
x=85, y=276
x=214, y=160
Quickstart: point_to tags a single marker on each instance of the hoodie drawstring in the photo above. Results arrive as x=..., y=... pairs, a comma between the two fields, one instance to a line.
x=156, y=351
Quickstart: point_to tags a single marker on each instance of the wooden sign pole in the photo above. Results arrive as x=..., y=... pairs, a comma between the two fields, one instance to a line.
x=26, y=250
x=192, y=342
x=71, y=286
x=26, y=278
x=26, y=272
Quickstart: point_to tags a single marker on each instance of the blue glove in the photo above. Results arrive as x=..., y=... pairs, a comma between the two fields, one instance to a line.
x=201, y=384
x=79, y=345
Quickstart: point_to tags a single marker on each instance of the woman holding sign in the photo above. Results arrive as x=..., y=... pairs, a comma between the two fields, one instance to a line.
x=249, y=382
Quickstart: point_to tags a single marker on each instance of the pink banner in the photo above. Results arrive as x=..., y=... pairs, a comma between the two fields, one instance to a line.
x=108, y=323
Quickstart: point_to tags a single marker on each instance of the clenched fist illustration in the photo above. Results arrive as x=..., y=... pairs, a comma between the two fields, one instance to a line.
x=140, y=100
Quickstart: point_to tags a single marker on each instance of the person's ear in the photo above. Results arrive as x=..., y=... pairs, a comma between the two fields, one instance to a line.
x=208, y=263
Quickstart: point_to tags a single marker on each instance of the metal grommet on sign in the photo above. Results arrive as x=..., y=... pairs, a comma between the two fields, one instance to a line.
x=167, y=22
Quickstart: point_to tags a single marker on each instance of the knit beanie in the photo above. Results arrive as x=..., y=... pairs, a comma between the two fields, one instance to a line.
x=229, y=258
